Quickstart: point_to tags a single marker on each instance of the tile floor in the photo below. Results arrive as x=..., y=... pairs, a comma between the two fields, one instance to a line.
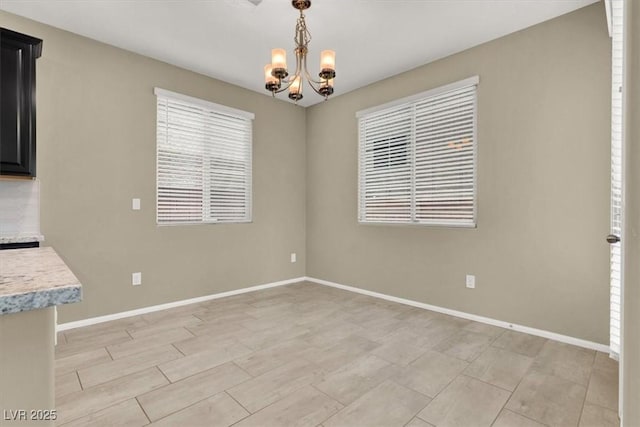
x=310, y=355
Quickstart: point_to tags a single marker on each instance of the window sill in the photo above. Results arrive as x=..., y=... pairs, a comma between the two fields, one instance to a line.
x=419, y=224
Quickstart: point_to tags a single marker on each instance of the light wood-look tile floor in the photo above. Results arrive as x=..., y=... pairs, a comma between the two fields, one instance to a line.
x=310, y=355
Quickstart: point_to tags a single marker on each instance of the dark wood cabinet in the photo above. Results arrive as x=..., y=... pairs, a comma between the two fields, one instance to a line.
x=18, y=54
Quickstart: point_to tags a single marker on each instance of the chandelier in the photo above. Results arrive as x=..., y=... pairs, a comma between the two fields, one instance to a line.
x=278, y=79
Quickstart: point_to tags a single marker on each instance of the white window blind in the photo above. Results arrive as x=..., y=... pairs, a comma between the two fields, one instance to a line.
x=417, y=158
x=203, y=161
x=617, y=8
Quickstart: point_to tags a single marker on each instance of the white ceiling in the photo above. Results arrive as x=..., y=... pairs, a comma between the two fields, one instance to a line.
x=231, y=40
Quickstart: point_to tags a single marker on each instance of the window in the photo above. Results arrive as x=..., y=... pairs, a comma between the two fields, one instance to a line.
x=617, y=78
x=391, y=152
x=203, y=161
x=417, y=158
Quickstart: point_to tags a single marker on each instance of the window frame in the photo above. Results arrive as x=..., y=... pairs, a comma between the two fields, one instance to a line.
x=217, y=109
x=411, y=101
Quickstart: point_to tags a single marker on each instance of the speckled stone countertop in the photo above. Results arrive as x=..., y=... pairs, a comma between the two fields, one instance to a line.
x=22, y=238
x=35, y=278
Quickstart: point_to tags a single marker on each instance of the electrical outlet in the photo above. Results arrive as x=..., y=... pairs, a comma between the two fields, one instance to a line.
x=136, y=279
x=135, y=204
x=293, y=257
x=471, y=281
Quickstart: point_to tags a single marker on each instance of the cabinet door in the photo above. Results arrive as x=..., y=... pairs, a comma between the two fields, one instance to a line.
x=17, y=108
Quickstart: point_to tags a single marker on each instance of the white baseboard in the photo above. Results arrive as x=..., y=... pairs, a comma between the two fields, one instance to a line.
x=520, y=328
x=525, y=329
x=151, y=309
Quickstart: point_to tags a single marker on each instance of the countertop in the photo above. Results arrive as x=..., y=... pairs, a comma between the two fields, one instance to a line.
x=35, y=278
x=22, y=238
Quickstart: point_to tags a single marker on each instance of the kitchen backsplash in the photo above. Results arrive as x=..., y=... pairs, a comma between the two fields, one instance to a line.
x=19, y=208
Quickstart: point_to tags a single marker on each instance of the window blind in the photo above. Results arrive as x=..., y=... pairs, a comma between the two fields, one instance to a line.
x=417, y=158
x=617, y=8
x=203, y=161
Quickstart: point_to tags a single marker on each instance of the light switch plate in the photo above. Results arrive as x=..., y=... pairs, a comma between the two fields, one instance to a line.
x=135, y=204
x=136, y=279
x=293, y=257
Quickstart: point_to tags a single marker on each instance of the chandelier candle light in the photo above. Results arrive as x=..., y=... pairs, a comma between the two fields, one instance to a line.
x=276, y=76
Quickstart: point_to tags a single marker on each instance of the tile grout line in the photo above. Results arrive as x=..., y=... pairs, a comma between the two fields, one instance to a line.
x=487, y=383
x=253, y=413
x=79, y=380
x=109, y=353
x=603, y=407
x=188, y=331
x=527, y=417
x=244, y=370
x=443, y=388
x=129, y=333
x=199, y=373
x=142, y=409
x=241, y=405
x=94, y=412
x=453, y=379
x=586, y=390
x=344, y=405
x=503, y=407
x=177, y=349
x=163, y=374
x=527, y=372
x=520, y=415
x=415, y=391
x=409, y=388
x=273, y=403
x=184, y=407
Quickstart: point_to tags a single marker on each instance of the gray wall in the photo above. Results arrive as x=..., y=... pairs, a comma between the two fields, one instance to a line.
x=96, y=151
x=538, y=253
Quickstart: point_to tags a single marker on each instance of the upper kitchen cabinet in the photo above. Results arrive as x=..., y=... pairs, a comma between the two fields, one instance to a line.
x=18, y=54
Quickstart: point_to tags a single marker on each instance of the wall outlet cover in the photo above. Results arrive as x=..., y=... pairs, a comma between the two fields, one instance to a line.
x=471, y=281
x=294, y=258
